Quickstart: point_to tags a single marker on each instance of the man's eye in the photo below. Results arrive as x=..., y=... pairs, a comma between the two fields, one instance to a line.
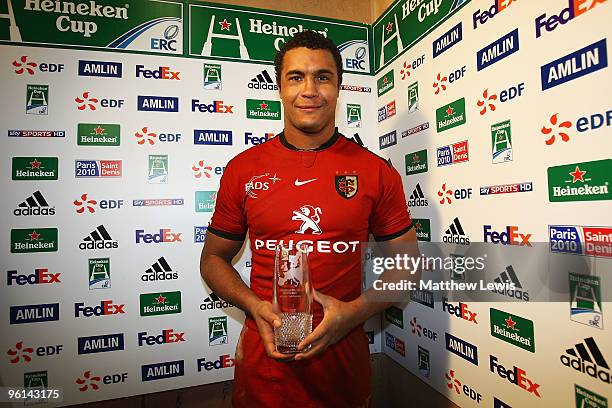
x=295, y=78
x=323, y=78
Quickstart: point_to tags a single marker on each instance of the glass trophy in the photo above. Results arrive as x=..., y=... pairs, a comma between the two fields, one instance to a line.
x=292, y=296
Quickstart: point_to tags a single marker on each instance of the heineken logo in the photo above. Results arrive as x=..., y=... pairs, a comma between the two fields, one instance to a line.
x=451, y=115
x=385, y=83
x=33, y=240
x=35, y=168
x=263, y=109
x=586, y=181
x=512, y=329
x=422, y=227
x=153, y=304
x=103, y=134
x=416, y=162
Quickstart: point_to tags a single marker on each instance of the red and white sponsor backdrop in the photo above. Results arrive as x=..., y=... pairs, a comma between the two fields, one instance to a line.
x=205, y=353
x=466, y=367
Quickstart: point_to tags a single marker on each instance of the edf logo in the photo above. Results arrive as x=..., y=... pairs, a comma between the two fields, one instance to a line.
x=164, y=235
x=21, y=352
x=510, y=236
x=40, y=276
x=489, y=99
x=106, y=308
x=24, y=65
x=446, y=194
x=249, y=139
x=89, y=102
x=159, y=73
x=574, y=9
x=497, y=7
x=441, y=81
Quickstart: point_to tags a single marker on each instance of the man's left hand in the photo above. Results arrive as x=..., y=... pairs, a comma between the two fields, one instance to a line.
x=338, y=320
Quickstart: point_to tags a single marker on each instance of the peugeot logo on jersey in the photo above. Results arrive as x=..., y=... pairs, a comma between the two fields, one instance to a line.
x=310, y=217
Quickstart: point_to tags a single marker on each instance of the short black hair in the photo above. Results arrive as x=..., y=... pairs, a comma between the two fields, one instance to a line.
x=314, y=41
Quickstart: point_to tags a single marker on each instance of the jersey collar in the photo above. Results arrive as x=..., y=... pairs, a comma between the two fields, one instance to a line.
x=325, y=145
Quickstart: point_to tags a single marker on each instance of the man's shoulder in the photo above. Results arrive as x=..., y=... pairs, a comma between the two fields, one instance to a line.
x=252, y=156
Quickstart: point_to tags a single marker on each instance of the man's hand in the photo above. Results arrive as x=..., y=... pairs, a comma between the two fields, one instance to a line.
x=338, y=320
x=266, y=321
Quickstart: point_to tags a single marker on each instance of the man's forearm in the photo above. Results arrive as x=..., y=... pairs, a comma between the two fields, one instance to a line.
x=226, y=282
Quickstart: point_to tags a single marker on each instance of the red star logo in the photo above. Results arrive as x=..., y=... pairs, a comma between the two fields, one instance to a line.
x=35, y=164
x=511, y=324
x=417, y=225
x=99, y=130
x=385, y=80
x=34, y=236
x=578, y=175
x=389, y=27
x=225, y=25
x=160, y=299
x=263, y=105
x=415, y=157
x=449, y=111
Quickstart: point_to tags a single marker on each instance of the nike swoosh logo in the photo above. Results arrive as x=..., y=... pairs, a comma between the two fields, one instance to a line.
x=301, y=183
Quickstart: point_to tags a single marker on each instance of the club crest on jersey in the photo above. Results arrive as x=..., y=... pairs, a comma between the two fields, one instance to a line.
x=346, y=186
x=310, y=217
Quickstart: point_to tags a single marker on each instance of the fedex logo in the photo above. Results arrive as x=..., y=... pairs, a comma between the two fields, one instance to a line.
x=159, y=73
x=516, y=376
x=497, y=7
x=40, y=276
x=461, y=311
x=224, y=361
x=215, y=107
x=106, y=307
x=164, y=235
x=509, y=237
x=166, y=336
x=574, y=9
x=249, y=139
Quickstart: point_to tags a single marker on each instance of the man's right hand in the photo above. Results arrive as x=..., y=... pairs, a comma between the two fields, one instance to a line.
x=266, y=321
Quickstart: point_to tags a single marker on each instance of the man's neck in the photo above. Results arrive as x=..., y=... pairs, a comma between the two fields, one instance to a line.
x=308, y=141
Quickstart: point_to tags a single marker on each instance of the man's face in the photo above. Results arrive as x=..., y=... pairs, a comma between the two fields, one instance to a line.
x=309, y=89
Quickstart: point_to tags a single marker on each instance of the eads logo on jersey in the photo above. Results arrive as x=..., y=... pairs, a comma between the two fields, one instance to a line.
x=158, y=371
x=574, y=9
x=92, y=382
x=442, y=80
x=36, y=204
x=510, y=236
x=149, y=136
x=461, y=311
x=22, y=353
x=481, y=16
x=585, y=300
x=579, y=240
x=489, y=99
x=87, y=101
x=559, y=127
x=259, y=183
x=514, y=375
x=586, y=181
x=26, y=65
x=40, y=276
x=587, y=360
x=454, y=383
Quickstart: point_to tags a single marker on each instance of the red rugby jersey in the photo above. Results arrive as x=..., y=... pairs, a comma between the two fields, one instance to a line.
x=332, y=197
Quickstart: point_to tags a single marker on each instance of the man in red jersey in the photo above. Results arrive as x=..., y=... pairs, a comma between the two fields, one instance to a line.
x=308, y=184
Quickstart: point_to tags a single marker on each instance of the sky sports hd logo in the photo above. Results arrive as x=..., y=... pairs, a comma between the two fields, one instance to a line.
x=160, y=303
x=579, y=240
x=584, y=61
x=507, y=188
x=512, y=329
x=36, y=133
x=103, y=69
x=498, y=50
x=30, y=240
x=586, y=181
x=450, y=115
x=34, y=168
x=98, y=168
x=98, y=134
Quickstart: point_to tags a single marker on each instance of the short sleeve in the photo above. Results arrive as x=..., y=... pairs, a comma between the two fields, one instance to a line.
x=229, y=219
x=390, y=217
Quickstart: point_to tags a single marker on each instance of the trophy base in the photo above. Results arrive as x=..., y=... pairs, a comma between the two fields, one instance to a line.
x=294, y=328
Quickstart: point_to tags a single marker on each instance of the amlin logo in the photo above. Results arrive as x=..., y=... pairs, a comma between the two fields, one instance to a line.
x=586, y=181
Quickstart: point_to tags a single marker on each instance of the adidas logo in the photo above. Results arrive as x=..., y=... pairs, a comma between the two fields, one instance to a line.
x=98, y=239
x=587, y=360
x=263, y=80
x=455, y=234
x=159, y=271
x=213, y=302
x=357, y=139
x=34, y=205
x=417, y=198
x=509, y=276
